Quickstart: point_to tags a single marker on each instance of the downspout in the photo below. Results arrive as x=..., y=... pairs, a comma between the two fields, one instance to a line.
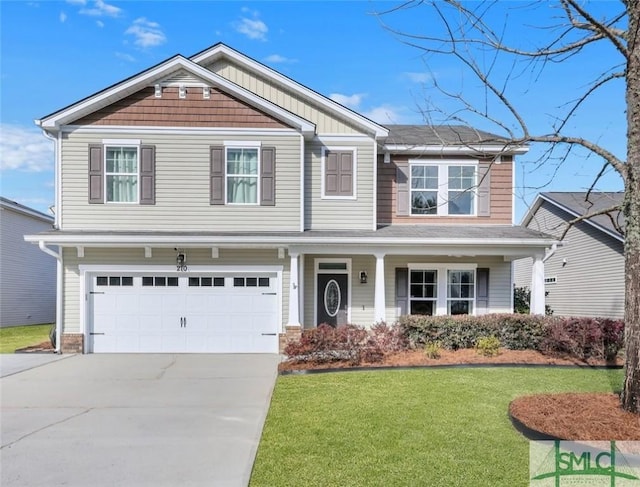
x=56, y=175
x=58, y=257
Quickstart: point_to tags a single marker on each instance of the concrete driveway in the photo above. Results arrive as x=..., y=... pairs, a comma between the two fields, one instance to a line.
x=135, y=420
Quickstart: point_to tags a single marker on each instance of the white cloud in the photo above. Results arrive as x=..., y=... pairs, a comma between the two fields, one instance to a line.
x=384, y=114
x=125, y=57
x=351, y=101
x=100, y=23
x=146, y=33
x=100, y=9
x=24, y=149
x=278, y=59
x=252, y=28
x=417, y=77
x=63, y=17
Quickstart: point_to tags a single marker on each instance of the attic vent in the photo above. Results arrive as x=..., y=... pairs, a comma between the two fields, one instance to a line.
x=182, y=77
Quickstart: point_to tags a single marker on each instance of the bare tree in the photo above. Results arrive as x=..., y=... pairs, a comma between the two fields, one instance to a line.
x=480, y=39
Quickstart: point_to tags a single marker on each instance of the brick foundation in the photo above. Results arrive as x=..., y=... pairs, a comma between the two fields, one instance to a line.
x=291, y=333
x=72, y=343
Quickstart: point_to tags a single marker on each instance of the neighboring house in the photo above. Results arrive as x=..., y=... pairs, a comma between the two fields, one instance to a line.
x=27, y=276
x=211, y=204
x=584, y=276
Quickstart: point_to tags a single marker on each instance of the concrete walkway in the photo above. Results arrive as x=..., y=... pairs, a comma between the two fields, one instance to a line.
x=12, y=363
x=135, y=420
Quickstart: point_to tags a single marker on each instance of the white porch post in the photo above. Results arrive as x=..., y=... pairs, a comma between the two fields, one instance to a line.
x=536, y=307
x=379, y=301
x=294, y=301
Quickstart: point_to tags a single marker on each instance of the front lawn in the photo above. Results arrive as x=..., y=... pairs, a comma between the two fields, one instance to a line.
x=22, y=336
x=435, y=427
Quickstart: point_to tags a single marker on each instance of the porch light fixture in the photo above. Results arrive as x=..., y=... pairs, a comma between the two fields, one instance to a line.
x=181, y=259
x=363, y=277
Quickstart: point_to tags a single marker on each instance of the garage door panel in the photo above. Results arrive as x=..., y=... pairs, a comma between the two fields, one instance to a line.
x=192, y=314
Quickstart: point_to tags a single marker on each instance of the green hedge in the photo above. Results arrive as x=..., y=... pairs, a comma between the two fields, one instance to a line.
x=579, y=337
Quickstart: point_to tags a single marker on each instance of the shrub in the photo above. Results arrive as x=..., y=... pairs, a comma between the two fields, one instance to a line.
x=488, y=346
x=326, y=343
x=388, y=338
x=517, y=332
x=584, y=338
x=432, y=350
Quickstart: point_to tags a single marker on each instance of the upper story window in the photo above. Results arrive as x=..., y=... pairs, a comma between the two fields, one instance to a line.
x=121, y=174
x=339, y=173
x=242, y=175
x=443, y=189
x=122, y=171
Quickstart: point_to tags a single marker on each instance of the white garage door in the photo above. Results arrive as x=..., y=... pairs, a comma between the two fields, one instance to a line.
x=179, y=314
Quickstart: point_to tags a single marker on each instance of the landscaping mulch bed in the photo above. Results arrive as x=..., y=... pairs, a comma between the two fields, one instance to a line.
x=44, y=347
x=564, y=416
x=577, y=416
x=452, y=357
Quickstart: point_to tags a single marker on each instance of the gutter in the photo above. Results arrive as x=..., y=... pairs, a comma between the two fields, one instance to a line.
x=549, y=252
x=59, y=276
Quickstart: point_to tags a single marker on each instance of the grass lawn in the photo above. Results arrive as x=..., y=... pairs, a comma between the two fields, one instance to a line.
x=423, y=427
x=22, y=336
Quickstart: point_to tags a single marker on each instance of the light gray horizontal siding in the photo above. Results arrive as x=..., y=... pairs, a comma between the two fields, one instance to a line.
x=589, y=269
x=326, y=123
x=135, y=257
x=339, y=214
x=27, y=275
x=182, y=188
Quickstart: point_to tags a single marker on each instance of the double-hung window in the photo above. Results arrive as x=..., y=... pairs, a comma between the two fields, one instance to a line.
x=243, y=174
x=442, y=289
x=443, y=188
x=122, y=174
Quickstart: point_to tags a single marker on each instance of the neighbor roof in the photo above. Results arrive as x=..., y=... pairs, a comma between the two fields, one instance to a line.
x=578, y=204
x=25, y=210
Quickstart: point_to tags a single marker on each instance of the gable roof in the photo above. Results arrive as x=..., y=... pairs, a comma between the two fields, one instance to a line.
x=577, y=205
x=457, y=138
x=156, y=73
x=220, y=50
x=24, y=210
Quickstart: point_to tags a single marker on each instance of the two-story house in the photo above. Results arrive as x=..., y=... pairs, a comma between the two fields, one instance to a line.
x=211, y=204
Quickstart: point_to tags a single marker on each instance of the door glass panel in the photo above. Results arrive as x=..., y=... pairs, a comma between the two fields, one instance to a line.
x=332, y=298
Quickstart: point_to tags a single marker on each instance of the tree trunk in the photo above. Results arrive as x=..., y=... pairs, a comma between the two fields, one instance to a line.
x=631, y=389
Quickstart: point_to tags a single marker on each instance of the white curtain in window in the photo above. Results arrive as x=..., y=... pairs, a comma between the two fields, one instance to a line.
x=242, y=176
x=122, y=174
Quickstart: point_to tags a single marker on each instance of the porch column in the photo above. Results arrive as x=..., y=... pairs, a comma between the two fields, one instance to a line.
x=294, y=301
x=379, y=301
x=536, y=306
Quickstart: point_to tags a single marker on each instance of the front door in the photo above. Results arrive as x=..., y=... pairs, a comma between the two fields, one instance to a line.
x=332, y=299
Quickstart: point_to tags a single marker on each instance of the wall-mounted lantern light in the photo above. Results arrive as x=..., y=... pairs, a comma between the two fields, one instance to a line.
x=363, y=277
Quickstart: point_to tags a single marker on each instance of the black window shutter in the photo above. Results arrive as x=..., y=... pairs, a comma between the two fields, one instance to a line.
x=96, y=174
x=482, y=290
x=148, y=175
x=217, y=175
x=402, y=286
x=403, y=196
x=268, y=177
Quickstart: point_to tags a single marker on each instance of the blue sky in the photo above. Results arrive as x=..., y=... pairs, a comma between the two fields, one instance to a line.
x=54, y=53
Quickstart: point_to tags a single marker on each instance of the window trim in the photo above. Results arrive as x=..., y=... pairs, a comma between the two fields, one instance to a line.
x=249, y=145
x=442, y=208
x=121, y=144
x=354, y=188
x=442, y=276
